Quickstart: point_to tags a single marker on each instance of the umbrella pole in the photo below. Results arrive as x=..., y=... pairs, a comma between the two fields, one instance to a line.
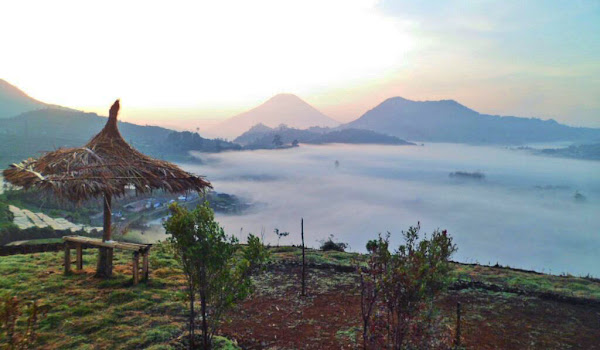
x=105, y=255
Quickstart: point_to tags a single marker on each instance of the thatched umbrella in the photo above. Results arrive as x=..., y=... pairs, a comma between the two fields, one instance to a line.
x=106, y=167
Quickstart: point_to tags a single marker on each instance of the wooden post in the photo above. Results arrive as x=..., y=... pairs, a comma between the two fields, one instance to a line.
x=136, y=267
x=303, y=259
x=145, y=265
x=67, y=258
x=79, y=257
x=457, y=340
x=105, y=255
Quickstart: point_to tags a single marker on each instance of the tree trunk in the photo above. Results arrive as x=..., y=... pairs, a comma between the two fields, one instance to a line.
x=205, y=339
x=192, y=316
x=105, y=255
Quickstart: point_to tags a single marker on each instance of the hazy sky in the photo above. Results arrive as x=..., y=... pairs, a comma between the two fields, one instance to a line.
x=199, y=61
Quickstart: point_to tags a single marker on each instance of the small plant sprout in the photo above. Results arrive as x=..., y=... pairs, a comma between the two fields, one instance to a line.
x=280, y=234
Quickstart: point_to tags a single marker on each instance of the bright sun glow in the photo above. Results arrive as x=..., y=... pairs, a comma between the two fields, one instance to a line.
x=193, y=54
x=180, y=63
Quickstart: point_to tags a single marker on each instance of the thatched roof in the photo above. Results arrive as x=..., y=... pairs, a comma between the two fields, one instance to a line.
x=106, y=165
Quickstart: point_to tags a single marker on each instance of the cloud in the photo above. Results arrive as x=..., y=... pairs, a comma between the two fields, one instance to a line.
x=505, y=218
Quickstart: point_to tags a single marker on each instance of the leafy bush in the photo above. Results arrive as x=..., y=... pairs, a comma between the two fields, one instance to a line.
x=214, y=267
x=19, y=322
x=397, y=290
x=329, y=244
x=6, y=217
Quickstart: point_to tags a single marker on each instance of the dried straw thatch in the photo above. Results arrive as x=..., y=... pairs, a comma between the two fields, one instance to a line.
x=106, y=166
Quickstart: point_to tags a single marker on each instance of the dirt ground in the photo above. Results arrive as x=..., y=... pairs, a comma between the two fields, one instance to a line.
x=277, y=317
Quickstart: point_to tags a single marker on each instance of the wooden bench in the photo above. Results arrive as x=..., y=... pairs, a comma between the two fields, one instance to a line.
x=80, y=242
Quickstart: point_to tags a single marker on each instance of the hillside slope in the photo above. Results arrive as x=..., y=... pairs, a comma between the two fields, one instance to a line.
x=261, y=136
x=30, y=133
x=506, y=309
x=449, y=121
x=13, y=101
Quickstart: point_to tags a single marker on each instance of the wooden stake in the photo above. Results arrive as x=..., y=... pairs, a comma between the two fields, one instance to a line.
x=67, y=258
x=136, y=267
x=145, y=266
x=79, y=257
x=457, y=340
x=105, y=256
x=303, y=259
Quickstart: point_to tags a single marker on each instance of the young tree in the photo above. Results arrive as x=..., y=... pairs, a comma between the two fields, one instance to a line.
x=280, y=234
x=19, y=322
x=398, y=289
x=214, y=271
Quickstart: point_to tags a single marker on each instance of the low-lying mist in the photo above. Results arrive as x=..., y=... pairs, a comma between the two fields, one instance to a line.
x=522, y=213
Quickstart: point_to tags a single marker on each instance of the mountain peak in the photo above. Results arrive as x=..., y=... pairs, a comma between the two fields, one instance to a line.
x=284, y=108
x=450, y=121
x=285, y=97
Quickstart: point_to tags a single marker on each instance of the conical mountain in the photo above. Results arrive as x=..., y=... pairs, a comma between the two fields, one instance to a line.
x=280, y=109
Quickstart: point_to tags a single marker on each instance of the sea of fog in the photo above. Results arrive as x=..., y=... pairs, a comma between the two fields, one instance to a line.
x=523, y=214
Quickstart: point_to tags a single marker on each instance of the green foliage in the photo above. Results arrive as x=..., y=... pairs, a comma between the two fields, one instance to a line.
x=397, y=291
x=331, y=245
x=277, y=140
x=6, y=217
x=280, y=235
x=19, y=323
x=213, y=269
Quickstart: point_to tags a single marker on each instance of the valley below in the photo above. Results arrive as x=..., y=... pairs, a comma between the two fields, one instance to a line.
x=522, y=212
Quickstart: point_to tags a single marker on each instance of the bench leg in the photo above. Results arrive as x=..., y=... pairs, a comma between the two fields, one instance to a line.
x=136, y=269
x=145, y=264
x=67, y=258
x=79, y=257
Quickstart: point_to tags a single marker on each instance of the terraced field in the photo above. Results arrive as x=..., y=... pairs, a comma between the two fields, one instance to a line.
x=25, y=219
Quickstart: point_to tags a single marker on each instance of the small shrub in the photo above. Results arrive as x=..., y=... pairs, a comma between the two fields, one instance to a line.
x=280, y=235
x=213, y=268
x=330, y=245
x=397, y=291
x=19, y=322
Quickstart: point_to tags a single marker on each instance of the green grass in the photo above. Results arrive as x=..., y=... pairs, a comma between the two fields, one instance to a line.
x=564, y=285
x=41, y=241
x=86, y=312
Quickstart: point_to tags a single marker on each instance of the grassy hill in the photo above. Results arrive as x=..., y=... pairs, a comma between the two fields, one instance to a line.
x=502, y=308
x=42, y=130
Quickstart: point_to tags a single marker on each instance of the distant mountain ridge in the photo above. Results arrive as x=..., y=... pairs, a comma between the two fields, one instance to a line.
x=449, y=121
x=28, y=127
x=261, y=137
x=280, y=109
x=47, y=129
x=13, y=101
